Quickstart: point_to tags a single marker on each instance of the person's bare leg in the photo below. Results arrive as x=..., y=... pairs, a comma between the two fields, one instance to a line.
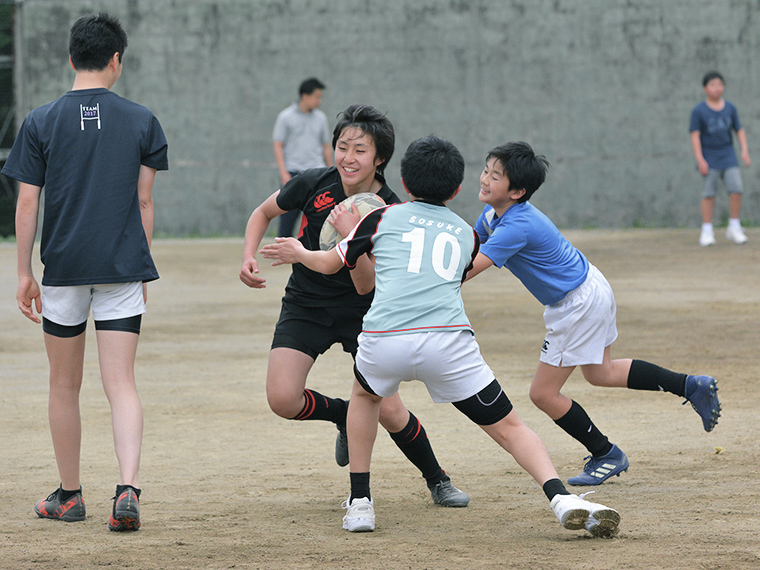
x=524, y=445
x=361, y=424
x=66, y=357
x=286, y=380
x=707, y=205
x=116, y=353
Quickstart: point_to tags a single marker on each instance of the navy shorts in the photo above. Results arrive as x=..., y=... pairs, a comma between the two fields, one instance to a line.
x=313, y=330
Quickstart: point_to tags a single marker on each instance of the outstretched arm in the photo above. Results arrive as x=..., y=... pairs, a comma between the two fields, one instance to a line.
x=254, y=232
x=290, y=250
x=363, y=274
x=479, y=264
x=28, y=290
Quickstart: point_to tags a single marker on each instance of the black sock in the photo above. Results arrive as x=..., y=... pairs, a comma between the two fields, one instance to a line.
x=580, y=427
x=121, y=488
x=646, y=376
x=414, y=444
x=319, y=407
x=65, y=495
x=554, y=487
x=359, y=486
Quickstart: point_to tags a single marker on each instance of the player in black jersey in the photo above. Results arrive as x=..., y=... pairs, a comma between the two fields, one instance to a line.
x=321, y=310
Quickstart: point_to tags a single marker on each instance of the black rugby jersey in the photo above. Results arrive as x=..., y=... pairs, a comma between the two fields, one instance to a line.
x=315, y=193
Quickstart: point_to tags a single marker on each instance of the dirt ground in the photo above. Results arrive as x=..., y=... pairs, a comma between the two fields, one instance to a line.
x=227, y=484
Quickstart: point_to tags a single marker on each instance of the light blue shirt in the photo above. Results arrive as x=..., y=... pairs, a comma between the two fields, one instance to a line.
x=527, y=243
x=421, y=253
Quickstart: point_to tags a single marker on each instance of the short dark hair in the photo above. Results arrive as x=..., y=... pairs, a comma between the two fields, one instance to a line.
x=709, y=76
x=524, y=168
x=94, y=40
x=371, y=122
x=309, y=86
x=432, y=169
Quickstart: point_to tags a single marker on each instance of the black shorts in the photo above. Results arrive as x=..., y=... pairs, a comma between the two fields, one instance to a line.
x=312, y=330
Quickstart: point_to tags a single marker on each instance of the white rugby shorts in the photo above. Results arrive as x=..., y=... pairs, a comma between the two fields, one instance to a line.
x=581, y=325
x=70, y=306
x=448, y=363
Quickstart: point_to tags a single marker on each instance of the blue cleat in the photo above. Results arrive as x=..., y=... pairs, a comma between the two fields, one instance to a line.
x=702, y=394
x=598, y=469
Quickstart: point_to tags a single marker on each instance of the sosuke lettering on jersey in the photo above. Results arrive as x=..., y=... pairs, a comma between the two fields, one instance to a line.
x=442, y=244
x=88, y=113
x=418, y=221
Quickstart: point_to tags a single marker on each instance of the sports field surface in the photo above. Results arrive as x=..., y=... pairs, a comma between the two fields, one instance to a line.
x=227, y=484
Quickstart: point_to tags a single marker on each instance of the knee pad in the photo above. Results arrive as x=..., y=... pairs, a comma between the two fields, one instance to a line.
x=487, y=407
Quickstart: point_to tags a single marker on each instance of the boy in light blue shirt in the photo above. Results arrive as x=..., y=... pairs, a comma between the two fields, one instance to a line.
x=580, y=309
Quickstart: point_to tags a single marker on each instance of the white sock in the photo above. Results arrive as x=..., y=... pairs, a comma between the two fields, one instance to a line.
x=707, y=227
x=734, y=223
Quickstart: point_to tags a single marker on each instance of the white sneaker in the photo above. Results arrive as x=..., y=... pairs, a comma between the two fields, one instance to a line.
x=360, y=515
x=735, y=235
x=603, y=521
x=574, y=513
x=571, y=511
x=707, y=238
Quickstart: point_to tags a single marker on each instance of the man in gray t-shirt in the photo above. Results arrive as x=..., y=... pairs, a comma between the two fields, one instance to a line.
x=301, y=141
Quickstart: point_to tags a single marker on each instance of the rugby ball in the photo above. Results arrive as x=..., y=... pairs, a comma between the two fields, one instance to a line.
x=363, y=202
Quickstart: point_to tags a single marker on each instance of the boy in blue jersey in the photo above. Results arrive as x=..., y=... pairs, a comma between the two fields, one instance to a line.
x=96, y=154
x=416, y=329
x=710, y=125
x=580, y=309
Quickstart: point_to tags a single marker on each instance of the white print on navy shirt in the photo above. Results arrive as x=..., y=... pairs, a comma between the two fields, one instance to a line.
x=87, y=113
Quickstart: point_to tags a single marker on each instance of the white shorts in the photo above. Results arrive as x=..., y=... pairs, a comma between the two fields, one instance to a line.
x=448, y=363
x=70, y=306
x=581, y=325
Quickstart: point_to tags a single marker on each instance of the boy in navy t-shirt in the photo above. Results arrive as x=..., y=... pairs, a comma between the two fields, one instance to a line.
x=711, y=124
x=96, y=154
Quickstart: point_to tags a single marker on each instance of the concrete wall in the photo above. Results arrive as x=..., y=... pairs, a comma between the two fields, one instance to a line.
x=603, y=88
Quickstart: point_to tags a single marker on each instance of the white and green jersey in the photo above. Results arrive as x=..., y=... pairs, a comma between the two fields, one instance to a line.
x=422, y=253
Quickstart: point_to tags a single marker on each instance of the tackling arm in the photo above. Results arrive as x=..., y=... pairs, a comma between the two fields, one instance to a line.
x=290, y=250
x=479, y=264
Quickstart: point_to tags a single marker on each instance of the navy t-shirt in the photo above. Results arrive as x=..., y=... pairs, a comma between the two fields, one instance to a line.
x=715, y=133
x=86, y=149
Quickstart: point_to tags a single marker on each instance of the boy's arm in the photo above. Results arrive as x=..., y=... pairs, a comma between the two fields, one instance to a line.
x=742, y=137
x=145, y=196
x=327, y=151
x=290, y=250
x=28, y=290
x=479, y=264
x=254, y=233
x=363, y=273
x=279, y=157
x=696, y=145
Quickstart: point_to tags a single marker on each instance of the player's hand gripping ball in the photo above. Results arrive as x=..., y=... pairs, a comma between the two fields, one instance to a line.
x=363, y=202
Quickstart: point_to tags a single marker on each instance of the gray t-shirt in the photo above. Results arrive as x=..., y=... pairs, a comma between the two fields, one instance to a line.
x=303, y=136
